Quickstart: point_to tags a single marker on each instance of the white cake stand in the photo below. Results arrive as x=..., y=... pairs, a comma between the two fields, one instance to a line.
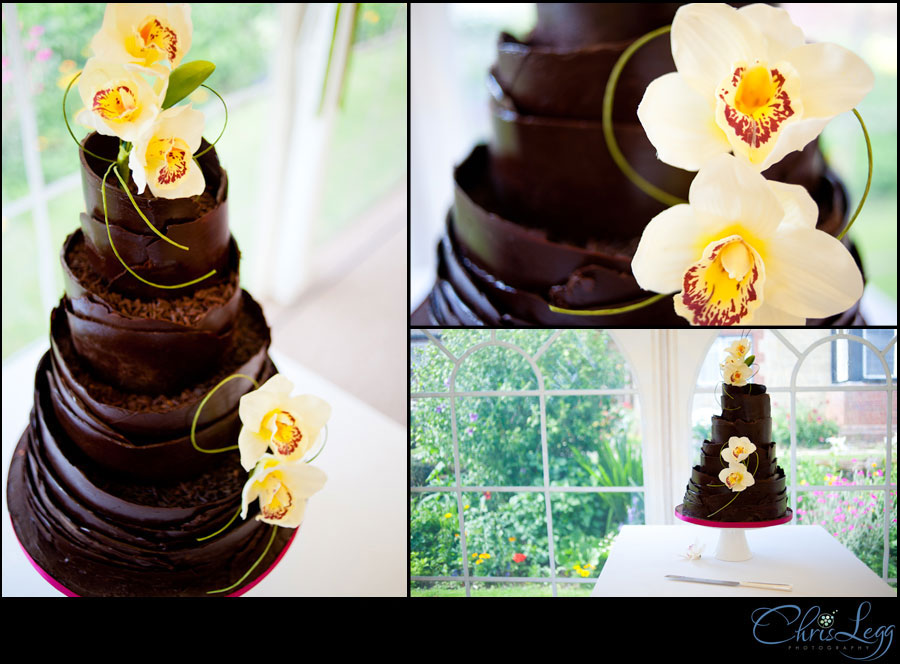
x=732, y=545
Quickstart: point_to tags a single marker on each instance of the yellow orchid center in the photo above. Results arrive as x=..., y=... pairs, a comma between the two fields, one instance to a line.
x=733, y=478
x=738, y=451
x=754, y=103
x=115, y=104
x=725, y=286
x=277, y=499
x=154, y=36
x=168, y=158
x=755, y=91
x=287, y=436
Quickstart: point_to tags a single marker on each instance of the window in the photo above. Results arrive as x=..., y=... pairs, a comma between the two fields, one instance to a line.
x=834, y=415
x=525, y=458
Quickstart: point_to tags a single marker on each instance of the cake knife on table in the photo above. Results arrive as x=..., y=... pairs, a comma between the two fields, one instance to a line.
x=742, y=584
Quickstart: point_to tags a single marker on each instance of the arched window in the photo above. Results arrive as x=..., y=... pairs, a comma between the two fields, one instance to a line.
x=525, y=458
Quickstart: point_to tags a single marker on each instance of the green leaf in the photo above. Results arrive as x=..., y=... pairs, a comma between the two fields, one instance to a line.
x=749, y=360
x=185, y=79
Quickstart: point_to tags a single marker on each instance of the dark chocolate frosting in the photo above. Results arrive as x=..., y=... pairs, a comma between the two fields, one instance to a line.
x=107, y=493
x=99, y=535
x=745, y=413
x=541, y=215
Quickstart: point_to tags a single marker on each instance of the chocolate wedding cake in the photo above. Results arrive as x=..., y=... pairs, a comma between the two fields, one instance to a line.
x=107, y=494
x=542, y=216
x=738, y=478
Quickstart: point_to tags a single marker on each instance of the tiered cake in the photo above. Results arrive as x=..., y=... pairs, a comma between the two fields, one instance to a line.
x=107, y=493
x=738, y=478
x=542, y=216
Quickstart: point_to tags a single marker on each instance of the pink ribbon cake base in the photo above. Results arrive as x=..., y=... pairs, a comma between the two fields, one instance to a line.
x=788, y=515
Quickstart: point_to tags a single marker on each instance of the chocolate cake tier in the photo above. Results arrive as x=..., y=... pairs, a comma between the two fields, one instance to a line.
x=745, y=413
x=541, y=214
x=108, y=491
x=148, y=436
x=97, y=534
x=198, y=224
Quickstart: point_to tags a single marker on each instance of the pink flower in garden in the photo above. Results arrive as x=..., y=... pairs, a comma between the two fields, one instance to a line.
x=31, y=44
x=36, y=31
x=43, y=55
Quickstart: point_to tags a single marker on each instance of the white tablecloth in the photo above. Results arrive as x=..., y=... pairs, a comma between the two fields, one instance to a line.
x=353, y=541
x=807, y=557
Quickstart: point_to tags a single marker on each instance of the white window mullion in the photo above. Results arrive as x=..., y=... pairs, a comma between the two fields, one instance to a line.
x=305, y=95
x=30, y=149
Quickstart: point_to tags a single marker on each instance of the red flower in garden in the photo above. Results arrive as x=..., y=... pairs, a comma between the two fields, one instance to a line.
x=487, y=494
x=518, y=557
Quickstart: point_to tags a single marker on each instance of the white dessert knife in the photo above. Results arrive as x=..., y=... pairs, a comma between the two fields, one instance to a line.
x=742, y=584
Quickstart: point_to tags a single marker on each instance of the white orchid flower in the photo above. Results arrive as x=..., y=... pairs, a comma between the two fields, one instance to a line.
x=154, y=35
x=273, y=419
x=282, y=489
x=117, y=100
x=162, y=157
x=746, y=82
x=736, y=477
x=738, y=449
x=745, y=250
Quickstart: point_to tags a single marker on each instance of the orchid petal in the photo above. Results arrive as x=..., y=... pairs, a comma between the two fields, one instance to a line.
x=707, y=39
x=834, y=79
x=817, y=276
x=666, y=249
x=680, y=123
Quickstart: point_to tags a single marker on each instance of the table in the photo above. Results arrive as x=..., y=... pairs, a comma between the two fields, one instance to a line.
x=808, y=557
x=353, y=541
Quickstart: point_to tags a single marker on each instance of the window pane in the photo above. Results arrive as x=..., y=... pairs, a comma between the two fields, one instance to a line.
x=56, y=39
x=499, y=441
x=495, y=368
x=585, y=525
x=368, y=151
x=14, y=183
x=840, y=436
x=594, y=441
x=430, y=367
x=24, y=318
x=434, y=548
x=584, y=359
x=506, y=534
x=430, y=443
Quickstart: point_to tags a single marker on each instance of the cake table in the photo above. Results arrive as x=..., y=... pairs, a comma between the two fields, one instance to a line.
x=809, y=558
